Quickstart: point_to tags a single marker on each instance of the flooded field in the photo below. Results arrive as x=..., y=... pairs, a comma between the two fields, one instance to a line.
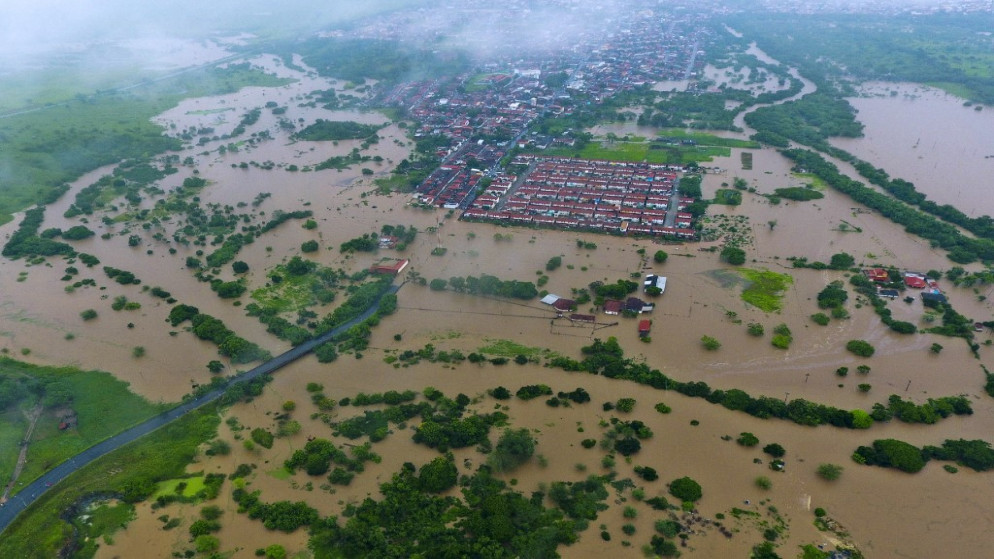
x=931, y=138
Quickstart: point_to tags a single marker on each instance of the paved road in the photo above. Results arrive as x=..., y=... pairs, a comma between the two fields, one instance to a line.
x=29, y=494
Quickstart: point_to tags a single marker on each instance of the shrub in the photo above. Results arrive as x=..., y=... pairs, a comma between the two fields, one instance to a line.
x=88, y=314
x=747, y=439
x=710, y=343
x=625, y=405
x=780, y=342
x=660, y=256
x=764, y=482
x=685, y=489
x=262, y=437
x=829, y=472
x=774, y=450
x=647, y=473
x=755, y=329
x=663, y=408
x=733, y=255
x=861, y=348
x=820, y=319
x=309, y=246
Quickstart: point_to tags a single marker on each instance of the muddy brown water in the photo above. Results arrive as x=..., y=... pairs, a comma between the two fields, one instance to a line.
x=940, y=514
x=931, y=138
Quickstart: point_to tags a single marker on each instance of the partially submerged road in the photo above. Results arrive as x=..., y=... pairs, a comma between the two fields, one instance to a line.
x=35, y=489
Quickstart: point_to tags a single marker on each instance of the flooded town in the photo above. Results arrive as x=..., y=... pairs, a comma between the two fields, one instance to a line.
x=638, y=282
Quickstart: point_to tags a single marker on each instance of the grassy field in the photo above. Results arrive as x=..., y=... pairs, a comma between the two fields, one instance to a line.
x=13, y=424
x=104, y=519
x=168, y=487
x=815, y=181
x=55, y=144
x=104, y=407
x=40, y=532
x=705, y=148
x=765, y=289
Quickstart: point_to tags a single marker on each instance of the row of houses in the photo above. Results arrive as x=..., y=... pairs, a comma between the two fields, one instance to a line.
x=610, y=226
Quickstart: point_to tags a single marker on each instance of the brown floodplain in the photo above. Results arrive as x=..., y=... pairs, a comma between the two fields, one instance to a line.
x=886, y=512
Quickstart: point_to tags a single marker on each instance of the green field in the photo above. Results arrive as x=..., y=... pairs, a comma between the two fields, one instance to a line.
x=13, y=425
x=103, y=404
x=765, y=289
x=705, y=148
x=132, y=470
x=168, y=487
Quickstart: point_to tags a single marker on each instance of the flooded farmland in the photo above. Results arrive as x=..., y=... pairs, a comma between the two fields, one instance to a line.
x=931, y=138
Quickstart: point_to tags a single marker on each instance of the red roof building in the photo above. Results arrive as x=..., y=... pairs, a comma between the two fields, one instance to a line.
x=915, y=282
x=613, y=307
x=392, y=267
x=878, y=274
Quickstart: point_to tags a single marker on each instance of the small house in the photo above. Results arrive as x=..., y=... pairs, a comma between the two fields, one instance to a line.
x=613, y=307
x=644, y=327
x=389, y=267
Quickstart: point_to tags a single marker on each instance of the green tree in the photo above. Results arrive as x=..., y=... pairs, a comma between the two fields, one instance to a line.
x=733, y=255
x=514, y=448
x=774, y=450
x=686, y=489
x=438, y=475
x=861, y=348
x=710, y=343
x=747, y=439
x=309, y=246
x=239, y=267
x=829, y=472
x=660, y=257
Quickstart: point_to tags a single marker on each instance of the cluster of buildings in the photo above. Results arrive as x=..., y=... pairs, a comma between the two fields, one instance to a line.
x=591, y=195
x=533, y=68
x=928, y=288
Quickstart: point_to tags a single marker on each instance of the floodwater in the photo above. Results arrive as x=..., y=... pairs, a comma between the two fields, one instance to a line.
x=941, y=514
x=931, y=138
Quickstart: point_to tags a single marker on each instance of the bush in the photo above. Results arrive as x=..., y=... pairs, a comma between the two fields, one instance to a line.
x=660, y=257
x=755, y=329
x=710, y=343
x=625, y=405
x=262, y=437
x=88, y=314
x=663, y=408
x=513, y=448
x=780, y=341
x=774, y=450
x=647, y=473
x=764, y=482
x=733, y=255
x=747, y=439
x=309, y=246
x=686, y=489
x=820, y=319
x=861, y=348
x=829, y=472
